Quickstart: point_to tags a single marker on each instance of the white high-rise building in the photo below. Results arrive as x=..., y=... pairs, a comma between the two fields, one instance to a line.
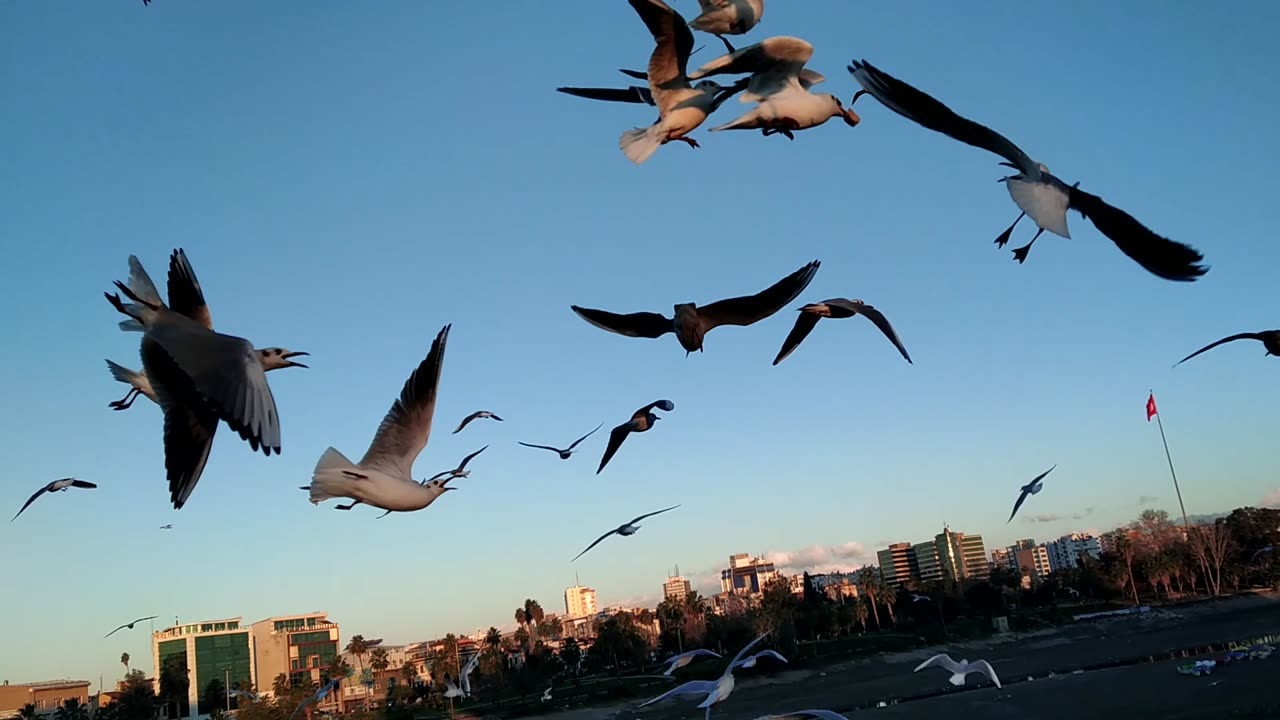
x=1065, y=552
x=580, y=601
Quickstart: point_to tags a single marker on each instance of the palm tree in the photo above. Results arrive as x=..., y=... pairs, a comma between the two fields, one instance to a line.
x=409, y=673
x=860, y=612
x=493, y=638
x=889, y=597
x=124, y=659
x=552, y=628
x=378, y=660
x=72, y=709
x=871, y=584
x=533, y=610
x=358, y=646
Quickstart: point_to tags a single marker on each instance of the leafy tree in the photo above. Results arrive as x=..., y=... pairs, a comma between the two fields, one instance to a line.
x=214, y=699
x=444, y=661
x=358, y=647
x=618, y=642
x=124, y=660
x=28, y=712
x=552, y=628
x=1127, y=552
x=570, y=654
x=174, y=683
x=872, y=585
x=137, y=698
x=72, y=709
x=1213, y=545
x=408, y=672
x=378, y=660
x=522, y=636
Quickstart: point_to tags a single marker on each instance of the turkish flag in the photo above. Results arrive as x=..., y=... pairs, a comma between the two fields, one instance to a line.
x=1151, y=406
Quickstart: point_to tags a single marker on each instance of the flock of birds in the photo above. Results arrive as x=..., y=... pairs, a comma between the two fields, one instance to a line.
x=200, y=377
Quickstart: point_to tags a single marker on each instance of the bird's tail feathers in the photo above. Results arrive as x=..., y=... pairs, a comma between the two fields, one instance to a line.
x=639, y=144
x=957, y=679
x=132, y=325
x=333, y=477
x=140, y=283
x=121, y=373
x=748, y=121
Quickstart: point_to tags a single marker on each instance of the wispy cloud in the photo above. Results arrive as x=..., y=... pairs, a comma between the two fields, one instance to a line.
x=1271, y=499
x=1055, y=517
x=1147, y=499
x=822, y=558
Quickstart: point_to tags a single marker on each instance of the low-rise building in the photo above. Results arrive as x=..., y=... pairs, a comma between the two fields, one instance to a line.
x=46, y=696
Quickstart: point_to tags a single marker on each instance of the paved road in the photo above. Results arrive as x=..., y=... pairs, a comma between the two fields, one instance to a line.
x=1148, y=690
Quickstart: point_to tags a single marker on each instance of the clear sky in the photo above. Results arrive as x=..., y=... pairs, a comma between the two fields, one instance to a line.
x=347, y=178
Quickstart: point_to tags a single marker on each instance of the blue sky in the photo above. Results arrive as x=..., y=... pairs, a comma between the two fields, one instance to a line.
x=348, y=178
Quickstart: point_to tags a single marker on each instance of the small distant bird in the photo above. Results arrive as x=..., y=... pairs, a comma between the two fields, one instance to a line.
x=960, y=669
x=690, y=322
x=461, y=471
x=1260, y=551
x=641, y=421
x=800, y=714
x=1032, y=488
x=836, y=308
x=728, y=17
x=675, y=662
x=1072, y=592
x=243, y=694
x=167, y=527
x=1033, y=189
x=682, y=107
x=566, y=452
x=474, y=416
x=625, y=529
x=317, y=696
x=750, y=660
x=55, y=486
x=716, y=691
x=129, y=625
x=383, y=477
x=546, y=695
x=452, y=690
x=780, y=86
x=1270, y=341
x=920, y=598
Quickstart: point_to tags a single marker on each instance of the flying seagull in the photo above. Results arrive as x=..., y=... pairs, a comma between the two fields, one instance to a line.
x=1270, y=341
x=801, y=714
x=384, y=476
x=271, y=359
x=167, y=527
x=675, y=662
x=958, y=670
x=779, y=84
x=461, y=471
x=682, y=107
x=625, y=529
x=55, y=486
x=837, y=308
x=716, y=691
x=728, y=17
x=1031, y=488
x=641, y=421
x=1033, y=189
x=464, y=677
x=243, y=694
x=128, y=625
x=920, y=598
x=566, y=452
x=690, y=322
x=197, y=375
x=750, y=660
x=317, y=696
x=475, y=416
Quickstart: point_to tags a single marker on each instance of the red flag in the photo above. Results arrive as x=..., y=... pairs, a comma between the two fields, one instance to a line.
x=1151, y=406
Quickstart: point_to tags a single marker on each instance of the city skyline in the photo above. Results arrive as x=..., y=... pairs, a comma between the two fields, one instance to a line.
x=319, y=225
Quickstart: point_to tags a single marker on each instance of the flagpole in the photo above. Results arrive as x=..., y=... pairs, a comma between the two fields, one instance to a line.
x=1160, y=423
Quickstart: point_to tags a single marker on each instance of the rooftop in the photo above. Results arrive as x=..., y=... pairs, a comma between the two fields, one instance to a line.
x=49, y=684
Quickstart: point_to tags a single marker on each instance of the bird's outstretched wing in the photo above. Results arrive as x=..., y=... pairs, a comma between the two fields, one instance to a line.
x=185, y=294
x=640, y=324
x=799, y=714
x=597, y=542
x=467, y=459
x=737, y=659
x=189, y=423
x=407, y=427
x=1160, y=256
x=632, y=94
x=656, y=512
x=1212, y=345
x=877, y=318
x=668, y=65
x=663, y=405
x=540, y=447
x=616, y=436
x=584, y=437
x=466, y=420
x=941, y=660
x=923, y=109
x=1042, y=475
x=83, y=484
x=749, y=309
x=985, y=668
x=1022, y=497
x=30, y=500
x=693, y=687
x=805, y=323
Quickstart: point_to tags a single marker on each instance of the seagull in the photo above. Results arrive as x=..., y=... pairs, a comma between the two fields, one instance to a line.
x=690, y=322
x=728, y=17
x=641, y=421
x=566, y=452
x=1033, y=189
x=799, y=714
x=1266, y=549
x=474, y=416
x=460, y=471
x=750, y=661
x=128, y=626
x=546, y=694
x=453, y=690
x=920, y=598
x=383, y=477
x=960, y=669
x=779, y=84
x=681, y=107
x=55, y=486
x=244, y=694
x=1073, y=592
x=198, y=376
x=1270, y=341
x=625, y=529
x=317, y=696
x=716, y=691
x=167, y=527
x=837, y=308
x=675, y=662
x=271, y=359
x=1031, y=488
